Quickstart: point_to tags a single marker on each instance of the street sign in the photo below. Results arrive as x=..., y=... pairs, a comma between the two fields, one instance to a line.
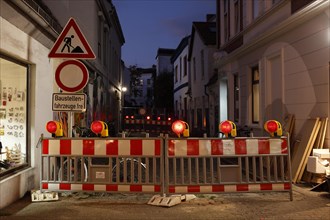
x=68, y=102
x=71, y=43
x=71, y=76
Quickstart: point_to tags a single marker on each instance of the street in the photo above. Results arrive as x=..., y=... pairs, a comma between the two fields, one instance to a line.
x=306, y=204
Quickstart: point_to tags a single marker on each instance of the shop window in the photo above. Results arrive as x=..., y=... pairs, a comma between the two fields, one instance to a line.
x=13, y=116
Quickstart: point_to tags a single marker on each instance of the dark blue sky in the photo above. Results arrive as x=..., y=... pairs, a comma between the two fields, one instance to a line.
x=151, y=24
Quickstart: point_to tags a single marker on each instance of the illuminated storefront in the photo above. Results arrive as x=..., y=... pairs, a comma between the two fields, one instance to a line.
x=13, y=115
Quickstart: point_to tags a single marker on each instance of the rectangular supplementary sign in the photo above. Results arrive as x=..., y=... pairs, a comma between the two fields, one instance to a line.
x=68, y=102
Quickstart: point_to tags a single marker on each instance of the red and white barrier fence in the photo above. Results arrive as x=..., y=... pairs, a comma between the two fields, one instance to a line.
x=227, y=165
x=111, y=165
x=166, y=165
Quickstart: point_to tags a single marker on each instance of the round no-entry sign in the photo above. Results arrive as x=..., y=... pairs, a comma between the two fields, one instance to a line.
x=71, y=76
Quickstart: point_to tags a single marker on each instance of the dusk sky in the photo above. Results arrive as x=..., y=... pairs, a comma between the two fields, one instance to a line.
x=151, y=24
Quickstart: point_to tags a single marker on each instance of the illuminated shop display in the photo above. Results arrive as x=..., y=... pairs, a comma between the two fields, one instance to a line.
x=13, y=115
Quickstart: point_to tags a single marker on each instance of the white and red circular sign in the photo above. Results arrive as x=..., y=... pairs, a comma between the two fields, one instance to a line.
x=71, y=76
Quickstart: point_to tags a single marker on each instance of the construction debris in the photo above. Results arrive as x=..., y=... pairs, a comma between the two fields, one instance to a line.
x=38, y=196
x=169, y=201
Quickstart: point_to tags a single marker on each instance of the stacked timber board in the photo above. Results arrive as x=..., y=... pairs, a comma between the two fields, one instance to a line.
x=313, y=137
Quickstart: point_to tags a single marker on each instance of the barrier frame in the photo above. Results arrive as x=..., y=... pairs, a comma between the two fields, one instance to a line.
x=61, y=150
x=248, y=152
x=188, y=151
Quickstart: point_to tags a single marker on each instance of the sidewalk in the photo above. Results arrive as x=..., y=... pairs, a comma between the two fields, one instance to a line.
x=306, y=204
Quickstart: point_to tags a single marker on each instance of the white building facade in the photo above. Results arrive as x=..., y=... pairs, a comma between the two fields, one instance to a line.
x=181, y=79
x=201, y=49
x=28, y=32
x=274, y=56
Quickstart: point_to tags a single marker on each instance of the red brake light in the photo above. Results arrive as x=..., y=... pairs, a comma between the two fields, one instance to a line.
x=148, y=117
x=158, y=118
x=169, y=118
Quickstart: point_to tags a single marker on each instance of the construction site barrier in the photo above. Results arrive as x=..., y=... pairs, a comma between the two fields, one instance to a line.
x=144, y=125
x=166, y=165
x=227, y=165
x=108, y=165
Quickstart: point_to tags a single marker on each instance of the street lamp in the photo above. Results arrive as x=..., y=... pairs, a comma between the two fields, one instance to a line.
x=122, y=106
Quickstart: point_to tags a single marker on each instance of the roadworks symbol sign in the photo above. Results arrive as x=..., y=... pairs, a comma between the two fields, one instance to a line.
x=71, y=43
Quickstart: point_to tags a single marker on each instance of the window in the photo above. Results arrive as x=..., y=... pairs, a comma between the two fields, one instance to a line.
x=255, y=8
x=99, y=40
x=236, y=98
x=194, y=68
x=176, y=73
x=255, y=94
x=226, y=20
x=237, y=16
x=185, y=66
x=202, y=64
x=105, y=46
x=13, y=115
x=180, y=68
x=185, y=107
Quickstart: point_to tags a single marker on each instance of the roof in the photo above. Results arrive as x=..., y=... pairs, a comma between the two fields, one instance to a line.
x=165, y=52
x=183, y=44
x=206, y=31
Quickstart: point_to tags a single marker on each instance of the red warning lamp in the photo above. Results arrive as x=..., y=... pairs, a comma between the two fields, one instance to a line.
x=158, y=118
x=273, y=127
x=126, y=117
x=100, y=127
x=148, y=117
x=228, y=128
x=169, y=119
x=180, y=127
x=55, y=128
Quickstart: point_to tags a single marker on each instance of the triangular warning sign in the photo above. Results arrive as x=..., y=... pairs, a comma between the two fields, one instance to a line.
x=71, y=44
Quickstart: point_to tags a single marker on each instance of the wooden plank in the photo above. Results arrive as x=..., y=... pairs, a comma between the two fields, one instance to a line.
x=300, y=151
x=288, y=124
x=307, y=176
x=319, y=142
x=308, y=150
x=324, y=132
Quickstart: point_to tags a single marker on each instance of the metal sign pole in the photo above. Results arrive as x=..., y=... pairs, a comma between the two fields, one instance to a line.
x=70, y=123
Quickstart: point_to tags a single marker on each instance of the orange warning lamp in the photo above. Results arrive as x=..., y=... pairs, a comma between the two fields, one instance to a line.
x=180, y=127
x=228, y=128
x=55, y=128
x=100, y=127
x=274, y=128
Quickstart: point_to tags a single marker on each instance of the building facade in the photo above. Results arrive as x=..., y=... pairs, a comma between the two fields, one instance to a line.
x=200, y=56
x=274, y=57
x=181, y=79
x=28, y=32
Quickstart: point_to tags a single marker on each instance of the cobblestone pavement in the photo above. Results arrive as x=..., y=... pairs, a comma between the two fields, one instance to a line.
x=306, y=204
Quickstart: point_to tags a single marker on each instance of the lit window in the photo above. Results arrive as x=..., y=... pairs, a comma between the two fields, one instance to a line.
x=13, y=116
x=255, y=94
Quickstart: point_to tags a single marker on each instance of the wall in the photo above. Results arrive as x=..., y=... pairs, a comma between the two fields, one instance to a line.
x=300, y=49
x=19, y=45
